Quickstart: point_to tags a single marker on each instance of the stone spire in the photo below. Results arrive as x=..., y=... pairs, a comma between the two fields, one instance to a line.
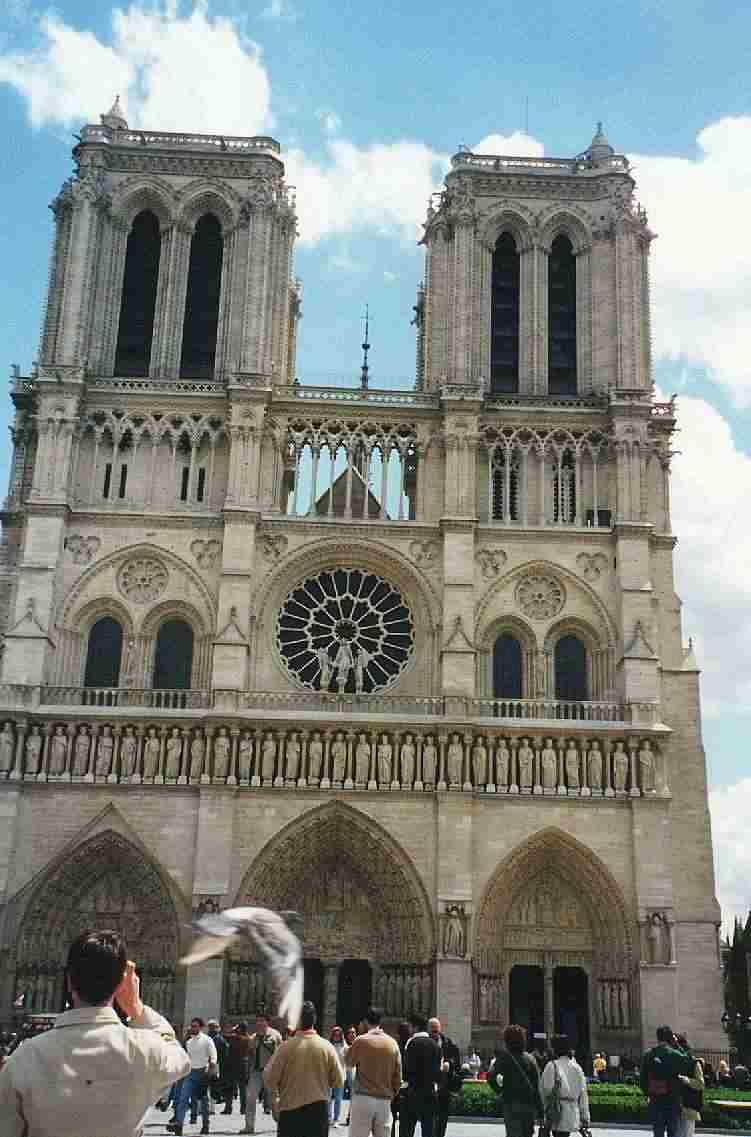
x=114, y=117
x=599, y=148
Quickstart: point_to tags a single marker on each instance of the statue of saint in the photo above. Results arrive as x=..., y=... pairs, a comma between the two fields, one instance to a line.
x=292, y=753
x=152, y=749
x=343, y=664
x=479, y=763
x=455, y=761
x=549, y=765
x=453, y=931
x=647, y=768
x=339, y=758
x=315, y=758
x=384, y=756
x=595, y=766
x=408, y=762
x=268, y=758
x=104, y=749
x=654, y=935
x=33, y=751
x=222, y=747
x=572, y=766
x=197, y=755
x=362, y=659
x=324, y=664
x=174, y=754
x=502, y=763
x=245, y=757
x=362, y=760
x=81, y=754
x=620, y=768
x=429, y=761
x=127, y=754
x=526, y=765
x=58, y=753
x=6, y=749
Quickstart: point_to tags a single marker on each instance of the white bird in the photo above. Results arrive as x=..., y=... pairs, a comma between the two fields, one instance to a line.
x=271, y=934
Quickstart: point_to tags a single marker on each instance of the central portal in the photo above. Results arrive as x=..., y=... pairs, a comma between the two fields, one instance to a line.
x=353, y=992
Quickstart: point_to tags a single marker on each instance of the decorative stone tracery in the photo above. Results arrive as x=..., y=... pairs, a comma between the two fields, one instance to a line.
x=142, y=579
x=540, y=596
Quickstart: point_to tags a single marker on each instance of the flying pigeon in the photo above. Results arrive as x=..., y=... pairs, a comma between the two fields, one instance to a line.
x=271, y=934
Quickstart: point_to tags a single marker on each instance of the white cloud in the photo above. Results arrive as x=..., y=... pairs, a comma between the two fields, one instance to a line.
x=344, y=262
x=384, y=187
x=390, y=277
x=173, y=72
x=730, y=808
x=710, y=495
x=701, y=262
x=516, y=145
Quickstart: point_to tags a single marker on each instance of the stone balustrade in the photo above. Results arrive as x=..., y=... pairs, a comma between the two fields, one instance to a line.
x=290, y=757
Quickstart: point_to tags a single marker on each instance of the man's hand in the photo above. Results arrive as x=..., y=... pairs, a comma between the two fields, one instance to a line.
x=128, y=994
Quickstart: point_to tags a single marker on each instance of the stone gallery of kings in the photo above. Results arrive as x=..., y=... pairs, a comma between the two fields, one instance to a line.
x=407, y=661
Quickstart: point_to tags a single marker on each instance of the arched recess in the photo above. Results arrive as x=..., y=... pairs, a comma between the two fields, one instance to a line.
x=104, y=650
x=203, y=299
x=593, y=655
x=106, y=882
x=504, y=318
x=359, y=897
x=554, y=903
x=420, y=674
x=139, y=294
x=523, y=634
x=169, y=629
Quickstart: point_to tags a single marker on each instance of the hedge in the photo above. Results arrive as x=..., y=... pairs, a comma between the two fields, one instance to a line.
x=619, y=1102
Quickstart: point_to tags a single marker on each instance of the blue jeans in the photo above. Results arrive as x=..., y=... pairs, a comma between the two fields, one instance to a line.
x=665, y=1116
x=336, y=1103
x=193, y=1090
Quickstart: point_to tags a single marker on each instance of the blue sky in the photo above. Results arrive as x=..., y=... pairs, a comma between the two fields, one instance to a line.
x=369, y=101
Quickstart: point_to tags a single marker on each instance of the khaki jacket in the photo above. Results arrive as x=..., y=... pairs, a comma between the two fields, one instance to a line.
x=89, y=1076
x=304, y=1069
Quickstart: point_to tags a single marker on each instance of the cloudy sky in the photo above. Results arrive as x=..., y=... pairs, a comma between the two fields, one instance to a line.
x=369, y=101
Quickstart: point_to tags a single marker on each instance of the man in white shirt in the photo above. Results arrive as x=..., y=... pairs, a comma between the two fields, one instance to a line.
x=203, y=1065
x=90, y=1074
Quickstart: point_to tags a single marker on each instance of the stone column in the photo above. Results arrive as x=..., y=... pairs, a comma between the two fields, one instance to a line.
x=549, y=1001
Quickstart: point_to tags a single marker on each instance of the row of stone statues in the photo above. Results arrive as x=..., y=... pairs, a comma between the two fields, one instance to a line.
x=248, y=989
x=325, y=758
x=400, y=990
x=41, y=985
x=614, y=1009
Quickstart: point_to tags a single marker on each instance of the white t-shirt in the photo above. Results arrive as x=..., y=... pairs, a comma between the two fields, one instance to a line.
x=201, y=1051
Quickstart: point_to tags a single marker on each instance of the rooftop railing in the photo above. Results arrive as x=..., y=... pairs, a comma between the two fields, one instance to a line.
x=170, y=140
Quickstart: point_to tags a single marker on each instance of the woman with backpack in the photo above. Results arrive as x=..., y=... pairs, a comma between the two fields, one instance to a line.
x=692, y=1092
x=564, y=1091
x=519, y=1083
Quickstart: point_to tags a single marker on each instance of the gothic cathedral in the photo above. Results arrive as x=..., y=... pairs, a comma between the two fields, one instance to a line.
x=407, y=661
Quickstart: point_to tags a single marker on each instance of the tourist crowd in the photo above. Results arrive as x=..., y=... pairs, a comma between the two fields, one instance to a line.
x=116, y=1057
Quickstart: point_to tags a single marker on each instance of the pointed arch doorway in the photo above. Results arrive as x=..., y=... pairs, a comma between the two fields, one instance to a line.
x=552, y=935
x=106, y=882
x=367, y=929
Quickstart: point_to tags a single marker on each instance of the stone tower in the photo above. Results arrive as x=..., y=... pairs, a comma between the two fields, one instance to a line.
x=408, y=662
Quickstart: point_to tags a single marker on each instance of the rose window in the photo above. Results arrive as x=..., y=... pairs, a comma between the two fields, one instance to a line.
x=540, y=596
x=345, y=630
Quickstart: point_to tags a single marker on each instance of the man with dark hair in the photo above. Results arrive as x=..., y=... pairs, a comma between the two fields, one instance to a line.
x=660, y=1069
x=422, y=1072
x=263, y=1044
x=91, y=1074
x=195, y=1089
x=376, y=1057
x=304, y=1071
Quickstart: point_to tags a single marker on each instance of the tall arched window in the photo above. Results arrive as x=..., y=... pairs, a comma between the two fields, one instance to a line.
x=562, y=318
x=505, y=486
x=202, y=300
x=173, y=663
x=507, y=667
x=504, y=319
x=570, y=669
x=103, y=654
x=136, y=328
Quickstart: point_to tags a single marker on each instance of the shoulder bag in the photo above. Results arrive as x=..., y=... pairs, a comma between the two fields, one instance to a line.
x=553, y=1107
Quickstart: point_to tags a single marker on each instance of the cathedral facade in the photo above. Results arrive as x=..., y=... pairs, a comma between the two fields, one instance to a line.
x=407, y=662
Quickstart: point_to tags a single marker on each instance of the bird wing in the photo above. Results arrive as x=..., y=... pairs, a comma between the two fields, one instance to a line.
x=281, y=952
x=280, y=949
